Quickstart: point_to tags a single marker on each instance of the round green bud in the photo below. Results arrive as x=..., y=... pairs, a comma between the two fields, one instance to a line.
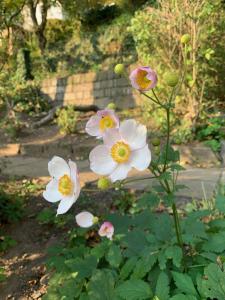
x=111, y=106
x=104, y=183
x=155, y=142
x=185, y=38
x=157, y=150
x=119, y=69
x=171, y=78
x=95, y=220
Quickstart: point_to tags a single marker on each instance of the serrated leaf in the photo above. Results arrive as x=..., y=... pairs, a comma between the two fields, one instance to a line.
x=162, y=260
x=101, y=285
x=134, y=289
x=174, y=253
x=162, y=233
x=184, y=283
x=213, y=283
x=114, y=256
x=215, y=243
x=162, y=287
x=183, y=297
x=144, y=265
x=150, y=200
x=100, y=250
x=128, y=267
x=176, y=167
x=220, y=203
x=135, y=241
x=83, y=267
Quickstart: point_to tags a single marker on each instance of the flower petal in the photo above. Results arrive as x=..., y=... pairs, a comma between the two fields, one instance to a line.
x=65, y=204
x=58, y=167
x=75, y=178
x=107, y=230
x=111, y=136
x=51, y=193
x=101, y=161
x=140, y=159
x=133, y=133
x=92, y=126
x=84, y=219
x=120, y=172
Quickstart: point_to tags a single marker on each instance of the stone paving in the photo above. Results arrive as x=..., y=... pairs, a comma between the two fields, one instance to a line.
x=201, y=182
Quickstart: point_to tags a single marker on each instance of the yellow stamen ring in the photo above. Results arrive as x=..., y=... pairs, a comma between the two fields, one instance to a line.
x=106, y=123
x=120, y=152
x=142, y=81
x=65, y=185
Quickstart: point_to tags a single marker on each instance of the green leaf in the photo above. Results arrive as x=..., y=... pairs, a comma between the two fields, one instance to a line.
x=220, y=203
x=162, y=227
x=100, y=250
x=83, y=267
x=213, y=283
x=215, y=243
x=162, y=287
x=135, y=241
x=128, y=267
x=162, y=260
x=150, y=200
x=114, y=256
x=184, y=283
x=101, y=285
x=144, y=265
x=176, y=167
x=121, y=223
x=174, y=253
x=183, y=297
x=134, y=289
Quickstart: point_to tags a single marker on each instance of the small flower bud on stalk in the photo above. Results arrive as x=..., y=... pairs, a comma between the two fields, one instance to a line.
x=119, y=69
x=156, y=142
x=171, y=79
x=185, y=39
x=157, y=150
x=111, y=106
x=104, y=183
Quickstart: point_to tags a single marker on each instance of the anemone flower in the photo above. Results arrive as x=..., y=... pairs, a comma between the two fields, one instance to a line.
x=64, y=185
x=106, y=230
x=101, y=121
x=143, y=78
x=123, y=149
x=85, y=219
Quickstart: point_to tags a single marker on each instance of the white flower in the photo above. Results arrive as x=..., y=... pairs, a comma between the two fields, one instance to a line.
x=64, y=185
x=86, y=219
x=101, y=121
x=122, y=149
x=107, y=230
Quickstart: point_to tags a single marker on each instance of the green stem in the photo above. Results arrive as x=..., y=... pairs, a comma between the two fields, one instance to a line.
x=167, y=137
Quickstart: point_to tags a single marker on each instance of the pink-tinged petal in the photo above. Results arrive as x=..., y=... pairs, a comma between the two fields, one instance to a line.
x=84, y=219
x=120, y=172
x=101, y=161
x=111, y=136
x=65, y=204
x=133, y=134
x=75, y=178
x=92, y=126
x=58, y=167
x=150, y=75
x=107, y=230
x=140, y=159
x=51, y=194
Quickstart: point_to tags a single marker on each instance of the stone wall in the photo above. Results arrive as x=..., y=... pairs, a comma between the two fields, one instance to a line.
x=91, y=88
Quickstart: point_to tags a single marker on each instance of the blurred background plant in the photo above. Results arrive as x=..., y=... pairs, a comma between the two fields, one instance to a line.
x=67, y=119
x=94, y=35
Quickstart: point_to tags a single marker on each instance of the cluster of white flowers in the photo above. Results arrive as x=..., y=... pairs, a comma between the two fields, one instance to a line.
x=124, y=147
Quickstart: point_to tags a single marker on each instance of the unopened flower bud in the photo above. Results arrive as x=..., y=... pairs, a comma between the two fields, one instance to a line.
x=171, y=78
x=95, y=220
x=157, y=150
x=156, y=142
x=119, y=69
x=185, y=38
x=111, y=106
x=103, y=183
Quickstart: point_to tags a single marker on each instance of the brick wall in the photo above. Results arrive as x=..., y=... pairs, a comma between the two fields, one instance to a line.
x=91, y=88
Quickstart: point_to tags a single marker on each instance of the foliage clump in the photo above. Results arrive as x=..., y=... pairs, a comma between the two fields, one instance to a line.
x=67, y=119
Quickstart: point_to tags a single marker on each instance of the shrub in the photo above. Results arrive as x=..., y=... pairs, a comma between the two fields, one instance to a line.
x=67, y=119
x=157, y=31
